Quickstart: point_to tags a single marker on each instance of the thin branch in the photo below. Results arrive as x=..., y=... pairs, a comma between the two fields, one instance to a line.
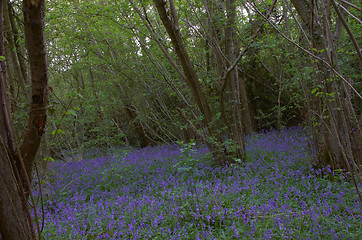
x=352, y=5
x=241, y=54
x=354, y=41
x=353, y=16
x=154, y=37
x=310, y=54
x=204, y=138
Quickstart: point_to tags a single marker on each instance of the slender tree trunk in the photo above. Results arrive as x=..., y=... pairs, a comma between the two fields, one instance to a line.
x=232, y=78
x=15, y=218
x=34, y=36
x=215, y=12
x=192, y=80
x=335, y=134
x=245, y=108
x=4, y=74
x=226, y=50
x=170, y=23
x=20, y=50
x=15, y=73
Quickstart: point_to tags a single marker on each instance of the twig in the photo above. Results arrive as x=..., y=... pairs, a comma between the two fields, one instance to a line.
x=191, y=124
x=310, y=54
x=354, y=41
x=41, y=199
x=352, y=5
x=241, y=54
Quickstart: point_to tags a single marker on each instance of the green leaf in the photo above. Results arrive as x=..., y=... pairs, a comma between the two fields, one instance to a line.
x=57, y=131
x=2, y=58
x=49, y=159
x=72, y=112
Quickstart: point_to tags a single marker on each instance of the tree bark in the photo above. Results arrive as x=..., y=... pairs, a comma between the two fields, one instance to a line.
x=15, y=218
x=232, y=78
x=34, y=36
x=192, y=80
x=14, y=223
x=20, y=50
x=16, y=77
x=170, y=23
x=4, y=75
x=335, y=137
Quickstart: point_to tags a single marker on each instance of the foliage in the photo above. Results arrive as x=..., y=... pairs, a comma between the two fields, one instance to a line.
x=188, y=158
x=91, y=48
x=103, y=51
x=274, y=195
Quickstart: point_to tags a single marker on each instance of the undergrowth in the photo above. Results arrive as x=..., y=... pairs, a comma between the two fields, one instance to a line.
x=169, y=192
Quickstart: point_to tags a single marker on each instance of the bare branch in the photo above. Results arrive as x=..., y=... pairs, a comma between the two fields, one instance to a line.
x=352, y=5
x=310, y=54
x=154, y=37
x=246, y=48
x=354, y=41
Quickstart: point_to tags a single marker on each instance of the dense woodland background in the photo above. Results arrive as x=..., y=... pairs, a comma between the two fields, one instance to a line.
x=115, y=78
x=143, y=73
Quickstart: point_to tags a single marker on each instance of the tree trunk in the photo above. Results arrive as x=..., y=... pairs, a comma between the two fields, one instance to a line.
x=170, y=23
x=329, y=150
x=15, y=217
x=15, y=222
x=20, y=50
x=34, y=36
x=336, y=136
x=192, y=80
x=4, y=74
x=245, y=109
x=232, y=78
x=215, y=12
x=15, y=73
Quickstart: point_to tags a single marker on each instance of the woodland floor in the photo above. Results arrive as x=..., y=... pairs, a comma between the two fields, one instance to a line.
x=168, y=192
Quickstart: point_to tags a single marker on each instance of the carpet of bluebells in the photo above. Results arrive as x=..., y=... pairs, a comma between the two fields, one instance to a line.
x=168, y=192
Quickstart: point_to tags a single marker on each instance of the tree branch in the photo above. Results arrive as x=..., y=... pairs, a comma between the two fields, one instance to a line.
x=354, y=41
x=311, y=54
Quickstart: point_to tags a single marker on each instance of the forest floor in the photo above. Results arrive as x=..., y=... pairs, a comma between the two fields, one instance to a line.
x=168, y=192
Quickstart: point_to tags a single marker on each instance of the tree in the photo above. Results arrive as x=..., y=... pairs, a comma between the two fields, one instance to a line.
x=224, y=42
x=221, y=45
x=17, y=164
x=170, y=22
x=336, y=129
x=35, y=42
x=15, y=222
